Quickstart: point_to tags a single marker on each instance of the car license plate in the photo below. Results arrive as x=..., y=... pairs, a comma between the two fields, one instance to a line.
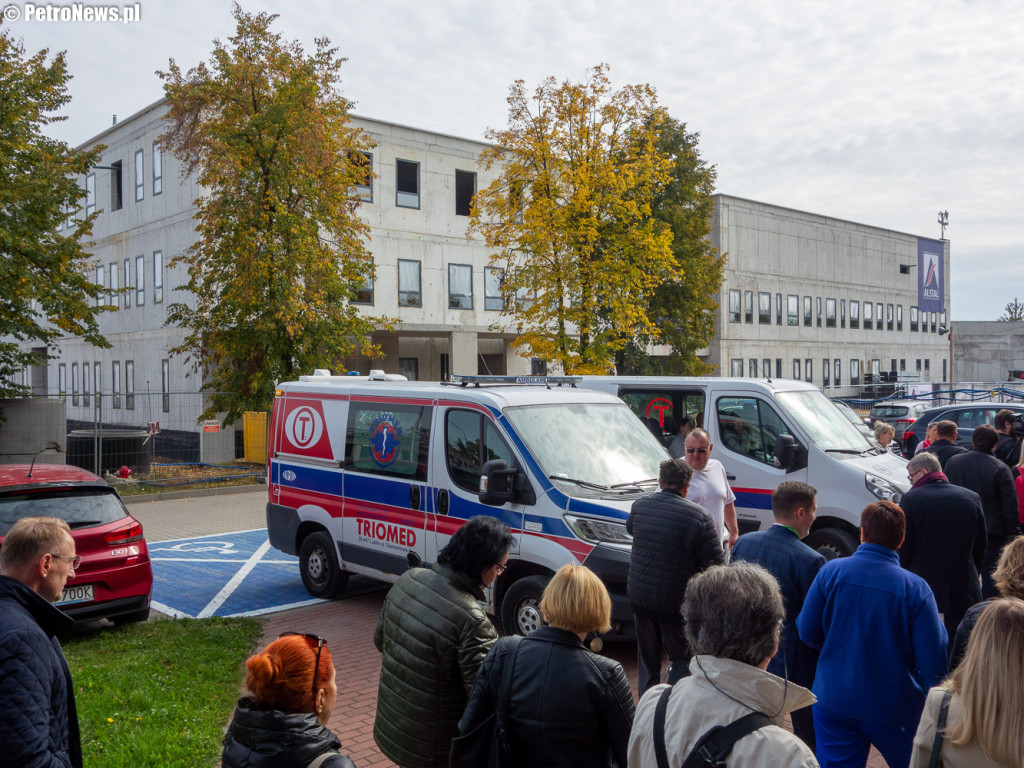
x=79, y=593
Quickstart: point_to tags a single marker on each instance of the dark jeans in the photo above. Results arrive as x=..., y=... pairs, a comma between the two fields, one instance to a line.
x=653, y=636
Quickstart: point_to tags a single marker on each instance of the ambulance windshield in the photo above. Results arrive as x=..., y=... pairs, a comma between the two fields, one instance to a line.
x=588, y=447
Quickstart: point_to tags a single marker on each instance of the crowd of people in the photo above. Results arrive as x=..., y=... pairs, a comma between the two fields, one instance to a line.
x=913, y=645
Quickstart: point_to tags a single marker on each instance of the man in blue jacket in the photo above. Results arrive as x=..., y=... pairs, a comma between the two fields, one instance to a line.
x=39, y=726
x=882, y=647
x=794, y=565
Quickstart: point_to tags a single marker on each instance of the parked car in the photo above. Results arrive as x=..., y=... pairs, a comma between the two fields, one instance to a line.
x=899, y=413
x=854, y=418
x=115, y=579
x=967, y=416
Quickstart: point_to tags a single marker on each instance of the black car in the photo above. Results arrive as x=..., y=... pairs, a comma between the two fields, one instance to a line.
x=967, y=416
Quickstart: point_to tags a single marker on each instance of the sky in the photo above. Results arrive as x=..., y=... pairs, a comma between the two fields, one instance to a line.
x=882, y=113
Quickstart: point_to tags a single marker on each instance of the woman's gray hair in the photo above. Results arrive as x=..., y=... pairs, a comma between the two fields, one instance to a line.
x=734, y=612
x=881, y=427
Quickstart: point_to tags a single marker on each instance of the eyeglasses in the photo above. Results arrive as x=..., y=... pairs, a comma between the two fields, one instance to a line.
x=320, y=643
x=697, y=450
x=502, y=567
x=76, y=560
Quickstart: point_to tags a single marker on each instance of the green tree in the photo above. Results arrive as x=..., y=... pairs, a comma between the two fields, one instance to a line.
x=280, y=253
x=44, y=289
x=570, y=217
x=1013, y=311
x=682, y=307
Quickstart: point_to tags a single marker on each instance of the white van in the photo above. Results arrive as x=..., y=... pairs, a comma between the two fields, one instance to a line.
x=372, y=475
x=766, y=431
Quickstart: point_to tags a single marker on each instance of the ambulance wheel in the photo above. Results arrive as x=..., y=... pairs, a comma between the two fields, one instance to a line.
x=321, y=573
x=832, y=543
x=520, y=609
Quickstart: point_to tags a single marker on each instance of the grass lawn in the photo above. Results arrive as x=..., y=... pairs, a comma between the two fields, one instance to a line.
x=158, y=693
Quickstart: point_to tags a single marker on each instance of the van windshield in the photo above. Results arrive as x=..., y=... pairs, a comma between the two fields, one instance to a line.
x=822, y=422
x=588, y=447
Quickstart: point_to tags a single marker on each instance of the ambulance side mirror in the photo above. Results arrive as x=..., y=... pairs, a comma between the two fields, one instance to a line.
x=497, y=483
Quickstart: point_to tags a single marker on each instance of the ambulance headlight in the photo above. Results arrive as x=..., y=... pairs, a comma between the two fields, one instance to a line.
x=882, y=489
x=596, y=531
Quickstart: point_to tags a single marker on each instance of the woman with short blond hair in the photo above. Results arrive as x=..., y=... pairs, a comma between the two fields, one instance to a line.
x=984, y=697
x=566, y=706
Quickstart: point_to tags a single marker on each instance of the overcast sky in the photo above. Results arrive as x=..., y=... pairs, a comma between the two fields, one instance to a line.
x=879, y=112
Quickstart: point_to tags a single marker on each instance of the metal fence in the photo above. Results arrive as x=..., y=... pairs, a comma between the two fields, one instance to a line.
x=939, y=394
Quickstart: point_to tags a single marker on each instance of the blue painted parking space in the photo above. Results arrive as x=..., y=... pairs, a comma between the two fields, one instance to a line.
x=228, y=574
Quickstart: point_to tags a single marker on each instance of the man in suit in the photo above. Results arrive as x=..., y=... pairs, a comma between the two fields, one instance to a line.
x=945, y=447
x=981, y=472
x=781, y=551
x=946, y=538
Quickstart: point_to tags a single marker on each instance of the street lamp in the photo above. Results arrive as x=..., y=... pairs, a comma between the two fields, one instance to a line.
x=943, y=223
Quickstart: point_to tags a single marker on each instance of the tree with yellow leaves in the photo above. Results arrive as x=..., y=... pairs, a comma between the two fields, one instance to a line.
x=281, y=252
x=570, y=217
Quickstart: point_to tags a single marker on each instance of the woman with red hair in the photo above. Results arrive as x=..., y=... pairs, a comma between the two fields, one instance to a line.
x=283, y=722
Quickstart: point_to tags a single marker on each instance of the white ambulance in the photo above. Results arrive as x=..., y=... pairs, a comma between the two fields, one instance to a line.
x=766, y=431
x=370, y=475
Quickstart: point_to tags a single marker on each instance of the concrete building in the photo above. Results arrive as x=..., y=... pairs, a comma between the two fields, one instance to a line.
x=823, y=300
x=988, y=352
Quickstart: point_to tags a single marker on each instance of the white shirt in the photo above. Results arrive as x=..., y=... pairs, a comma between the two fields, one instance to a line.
x=710, y=488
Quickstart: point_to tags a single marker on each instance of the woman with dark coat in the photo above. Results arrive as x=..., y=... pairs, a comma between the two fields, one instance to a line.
x=567, y=706
x=283, y=722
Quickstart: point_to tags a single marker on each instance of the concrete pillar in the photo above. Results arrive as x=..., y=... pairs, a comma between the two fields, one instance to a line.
x=515, y=364
x=463, y=353
x=389, y=363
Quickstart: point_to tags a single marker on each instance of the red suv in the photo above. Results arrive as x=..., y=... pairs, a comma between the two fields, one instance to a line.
x=115, y=579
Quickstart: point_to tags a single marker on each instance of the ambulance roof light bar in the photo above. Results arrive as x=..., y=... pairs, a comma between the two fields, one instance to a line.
x=477, y=381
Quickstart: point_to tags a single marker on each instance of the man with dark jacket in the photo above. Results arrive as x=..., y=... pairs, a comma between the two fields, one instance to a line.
x=39, y=726
x=981, y=472
x=794, y=565
x=673, y=539
x=1007, y=450
x=945, y=447
x=946, y=538
x=434, y=634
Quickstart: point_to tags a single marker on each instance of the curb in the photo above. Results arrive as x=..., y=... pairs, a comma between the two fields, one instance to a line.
x=168, y=495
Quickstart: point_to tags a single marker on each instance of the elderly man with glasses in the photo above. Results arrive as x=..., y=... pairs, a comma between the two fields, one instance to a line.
x=40, y=724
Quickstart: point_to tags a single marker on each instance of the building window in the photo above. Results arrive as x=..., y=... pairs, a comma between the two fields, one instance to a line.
x=158, y=277
x=867, y=315
x=116, y=199
x=919, y=365
x=824, y=372
x=465, y=188
x=878, y=316
x=927, y=369
x=734, y=306
x=830, y=313
x=140, y=280
x=778, y=367
x=913, y=319
x=140, y=176
x=364, y=293
x=889, y=314
x=899, y=317
x=409, y=294
x=129, y=385
x=944, y=370
x=62, y=381
x=842, y=313
x=752, y=367
x=854, y=318
x=935, y=319
x=90, y=194
x=407, y=183
x=808, y=318
x=102, y=283
x=836, y=377
x=817, y=307
x=493, y=278
x=127, y=297
x=97, y=381
x=808, y=369
x=748, y=306
x=903, y=364
x=460, y=286
x=112, y=298
x=764, y=308
x=409, y=367
x=796, y=370
x=165, y=385
x=766, y=367
x=793, y=310
x=74, y=383
x=778, y=309
x=363, y=188
x=854, y=371
x=737, y=368
x=115, y=384
x=943, y=328
x=87, y=384
x=158, y=169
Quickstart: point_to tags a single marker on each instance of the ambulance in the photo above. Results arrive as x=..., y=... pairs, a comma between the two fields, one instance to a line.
x=766, y=431
x=372, y=475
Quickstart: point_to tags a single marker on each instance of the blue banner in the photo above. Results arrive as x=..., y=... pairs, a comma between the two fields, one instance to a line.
x=930, y=276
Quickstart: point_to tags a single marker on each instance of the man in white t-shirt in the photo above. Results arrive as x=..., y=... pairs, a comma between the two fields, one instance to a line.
x=710, y=487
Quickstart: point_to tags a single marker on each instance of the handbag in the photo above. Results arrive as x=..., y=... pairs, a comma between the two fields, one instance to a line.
x=487, y=743
x=936, y=761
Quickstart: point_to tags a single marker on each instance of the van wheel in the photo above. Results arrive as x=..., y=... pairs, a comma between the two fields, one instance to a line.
x=832, y=543
x=520, y=609
x=321, y=573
